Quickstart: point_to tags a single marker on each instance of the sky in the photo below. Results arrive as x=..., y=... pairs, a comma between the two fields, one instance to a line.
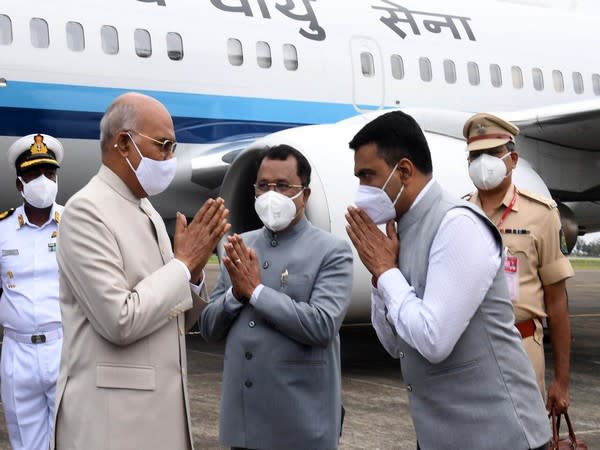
x=590, y=237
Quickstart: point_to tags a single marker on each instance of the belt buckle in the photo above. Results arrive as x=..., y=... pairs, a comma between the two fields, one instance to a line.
x=38, y=339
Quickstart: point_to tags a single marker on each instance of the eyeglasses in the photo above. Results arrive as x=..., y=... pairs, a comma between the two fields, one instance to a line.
x=280, y=187
x=167, y=146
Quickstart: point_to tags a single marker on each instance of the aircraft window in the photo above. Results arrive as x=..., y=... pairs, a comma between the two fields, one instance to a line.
x=449, y=71
x=425, y=69
x=235, y=52
x=263, y=54
x=538, y=79
x=75, y=37
x=473, y=72
x=40, y=37
x=290, y=57
x=110, y=39
x=143, y=43
x=577, y=83
x=517, y=77
x=5, y=30
x=596, y=83
x=496, y=75
x=174, y=46
x=367, y=64
x=397, y=67
x=558, y=80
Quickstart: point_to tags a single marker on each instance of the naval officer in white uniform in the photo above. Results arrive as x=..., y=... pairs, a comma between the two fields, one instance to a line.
x=29, y=307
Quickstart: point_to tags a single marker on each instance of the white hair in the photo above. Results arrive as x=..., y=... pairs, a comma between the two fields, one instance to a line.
x=119, y=116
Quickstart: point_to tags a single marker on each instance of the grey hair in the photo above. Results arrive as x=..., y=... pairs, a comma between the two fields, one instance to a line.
x=119, y=116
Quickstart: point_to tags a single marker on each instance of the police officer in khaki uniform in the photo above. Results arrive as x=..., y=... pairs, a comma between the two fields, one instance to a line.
x=29, y=307
x=535, y=264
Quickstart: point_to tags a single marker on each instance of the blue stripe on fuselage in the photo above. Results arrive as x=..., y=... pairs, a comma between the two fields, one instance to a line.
x=74, y=112
x=85, y=125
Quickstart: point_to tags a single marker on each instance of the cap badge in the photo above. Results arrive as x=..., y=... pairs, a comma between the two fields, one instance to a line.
x=480, y=129
x=38, y=145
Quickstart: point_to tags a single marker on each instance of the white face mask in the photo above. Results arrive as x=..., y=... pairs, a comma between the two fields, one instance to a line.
x=40, y=192
x=487, y=172
x=154, y=176
x=375, y=201
x=276, y=210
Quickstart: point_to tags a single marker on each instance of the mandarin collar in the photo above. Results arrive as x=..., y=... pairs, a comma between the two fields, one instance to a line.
x=287, y=234
x=418, y=209
x=117, y=184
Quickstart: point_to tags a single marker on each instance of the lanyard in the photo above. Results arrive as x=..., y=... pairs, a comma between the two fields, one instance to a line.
x=508, y=208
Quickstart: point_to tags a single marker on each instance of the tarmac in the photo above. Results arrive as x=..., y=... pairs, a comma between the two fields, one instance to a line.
x=374, y=395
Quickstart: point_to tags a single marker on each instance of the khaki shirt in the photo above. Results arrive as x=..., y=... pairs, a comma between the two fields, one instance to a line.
x=531, y=231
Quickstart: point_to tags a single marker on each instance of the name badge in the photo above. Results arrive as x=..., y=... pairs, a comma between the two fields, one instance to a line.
x=511, y=271
x=10, y=252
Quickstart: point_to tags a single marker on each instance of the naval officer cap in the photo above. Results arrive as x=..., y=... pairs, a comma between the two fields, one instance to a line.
x=35, y=150
x=483, y=131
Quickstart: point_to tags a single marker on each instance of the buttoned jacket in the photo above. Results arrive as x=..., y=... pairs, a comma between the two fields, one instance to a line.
x=122, y=382
x=281, y=376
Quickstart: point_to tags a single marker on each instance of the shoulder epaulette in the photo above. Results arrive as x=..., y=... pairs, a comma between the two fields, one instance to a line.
x=7, y=213
x=548, y=202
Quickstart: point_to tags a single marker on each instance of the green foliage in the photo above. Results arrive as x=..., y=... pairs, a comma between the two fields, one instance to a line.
x=583, y=248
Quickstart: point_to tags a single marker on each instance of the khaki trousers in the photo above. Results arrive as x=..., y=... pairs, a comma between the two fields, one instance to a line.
x=534, y=346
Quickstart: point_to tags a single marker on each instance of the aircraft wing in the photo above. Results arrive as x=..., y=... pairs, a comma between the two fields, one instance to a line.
x=572, y=125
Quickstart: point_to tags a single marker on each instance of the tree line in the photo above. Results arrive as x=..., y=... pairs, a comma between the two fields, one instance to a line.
x=583, y=248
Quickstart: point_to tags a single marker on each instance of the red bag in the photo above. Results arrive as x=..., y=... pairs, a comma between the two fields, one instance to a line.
x=564, y=444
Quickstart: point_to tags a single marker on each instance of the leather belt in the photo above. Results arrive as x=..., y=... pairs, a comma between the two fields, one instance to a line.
x=526, y=328
x=41, y=338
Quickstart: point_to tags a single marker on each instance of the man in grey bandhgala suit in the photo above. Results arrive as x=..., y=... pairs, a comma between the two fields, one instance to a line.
x=279, y=302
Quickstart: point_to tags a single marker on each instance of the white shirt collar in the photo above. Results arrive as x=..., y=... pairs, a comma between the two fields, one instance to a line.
x=422, y=193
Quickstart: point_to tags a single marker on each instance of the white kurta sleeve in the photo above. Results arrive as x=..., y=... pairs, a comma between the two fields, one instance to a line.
x=463, y=261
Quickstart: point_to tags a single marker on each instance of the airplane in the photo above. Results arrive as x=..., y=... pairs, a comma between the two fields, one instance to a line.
x=237, y=75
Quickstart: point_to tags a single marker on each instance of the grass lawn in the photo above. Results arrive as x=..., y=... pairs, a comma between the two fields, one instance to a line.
x=585, y=263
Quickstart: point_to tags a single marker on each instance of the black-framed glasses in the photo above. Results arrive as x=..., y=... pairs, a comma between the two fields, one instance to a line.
x=280, y=187
x=167, y=146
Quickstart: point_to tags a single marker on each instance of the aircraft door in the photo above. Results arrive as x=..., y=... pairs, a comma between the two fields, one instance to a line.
x=367, y=74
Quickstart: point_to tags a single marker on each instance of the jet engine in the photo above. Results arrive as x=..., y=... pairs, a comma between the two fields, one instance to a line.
x=333, y=184
x=570, y=226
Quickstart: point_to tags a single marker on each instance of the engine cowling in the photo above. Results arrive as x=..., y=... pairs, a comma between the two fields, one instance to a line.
x=570, y=226
x=333, y=185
